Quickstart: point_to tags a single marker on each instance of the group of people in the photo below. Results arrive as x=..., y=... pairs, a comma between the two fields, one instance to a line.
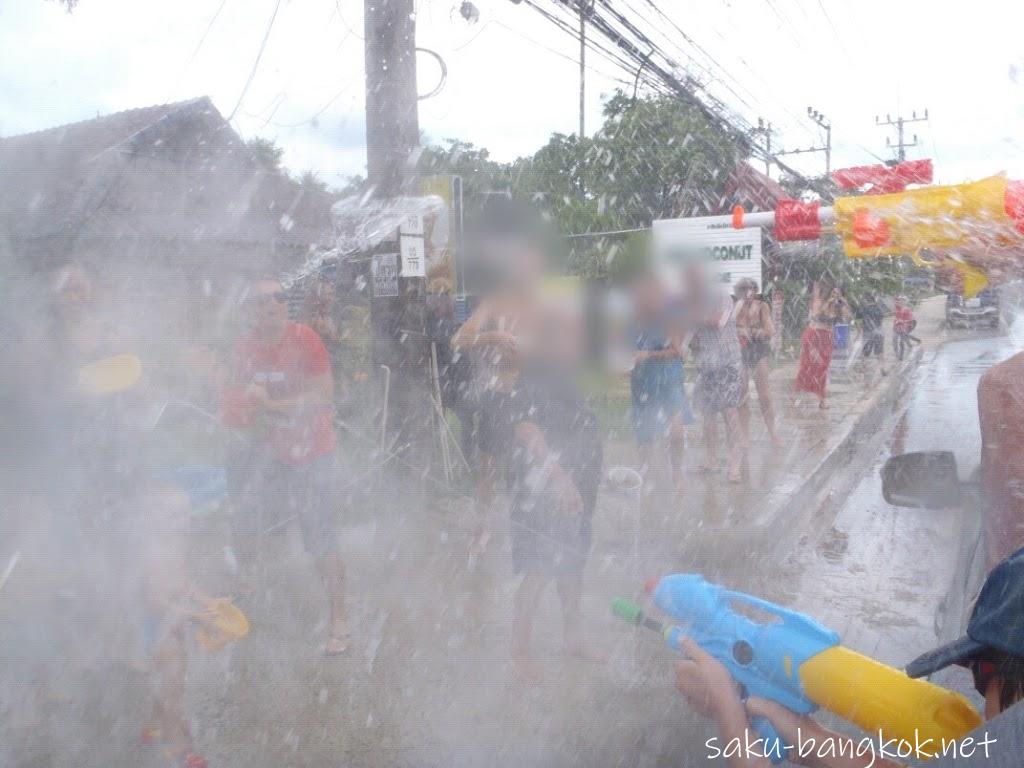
x=871, y=315
x=729, y=338
x=530, y=425
x=100, y=502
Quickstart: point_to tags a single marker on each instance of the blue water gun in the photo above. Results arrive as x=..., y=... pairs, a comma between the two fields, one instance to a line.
x=779, y=654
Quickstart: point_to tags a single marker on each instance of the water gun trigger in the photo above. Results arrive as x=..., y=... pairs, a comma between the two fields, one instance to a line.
x=774, y=747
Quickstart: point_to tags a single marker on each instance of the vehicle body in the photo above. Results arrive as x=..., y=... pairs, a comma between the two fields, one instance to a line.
x=918, y=283
x=982, y=310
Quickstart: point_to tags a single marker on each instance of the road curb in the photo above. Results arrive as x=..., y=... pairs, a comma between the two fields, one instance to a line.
x=787, y=518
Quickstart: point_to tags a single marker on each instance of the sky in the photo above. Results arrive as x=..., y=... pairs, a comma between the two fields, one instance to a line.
x=513, y=77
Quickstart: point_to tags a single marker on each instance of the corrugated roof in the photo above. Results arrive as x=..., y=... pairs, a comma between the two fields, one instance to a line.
x=173, y=171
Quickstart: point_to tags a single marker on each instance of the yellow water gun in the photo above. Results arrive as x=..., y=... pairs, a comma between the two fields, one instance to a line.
x=961, y=226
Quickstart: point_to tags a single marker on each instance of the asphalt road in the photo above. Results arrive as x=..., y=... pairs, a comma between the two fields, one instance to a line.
x=892, y=580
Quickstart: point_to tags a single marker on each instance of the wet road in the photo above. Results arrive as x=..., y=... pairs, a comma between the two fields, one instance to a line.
x=881, y=575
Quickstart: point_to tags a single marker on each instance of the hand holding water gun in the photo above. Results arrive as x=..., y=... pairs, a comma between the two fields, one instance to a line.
x=789, y=659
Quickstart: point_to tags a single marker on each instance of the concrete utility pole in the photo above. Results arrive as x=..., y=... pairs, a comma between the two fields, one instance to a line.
x=901, y=146
x=583, y=66
x=392, y=115
x=398, y=322
x=767, y=130
x=822, y=122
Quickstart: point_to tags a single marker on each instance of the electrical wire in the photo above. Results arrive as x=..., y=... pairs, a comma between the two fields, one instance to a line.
x=209, y=26
x=256, y=63
x=441, y=81
x=715, y=112
x=324, y=108
x=614, y=57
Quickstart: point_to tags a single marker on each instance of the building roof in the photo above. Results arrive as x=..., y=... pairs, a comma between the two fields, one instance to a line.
x=171, y=172
x=752, y=189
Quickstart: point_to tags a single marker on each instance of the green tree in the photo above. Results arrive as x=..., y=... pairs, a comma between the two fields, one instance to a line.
x=481, y=176
x=267, y=153
x=653, y=157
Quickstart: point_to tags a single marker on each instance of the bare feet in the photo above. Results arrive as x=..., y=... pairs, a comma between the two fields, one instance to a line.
x=526, y=669
x=337, y=644
x=479, y=544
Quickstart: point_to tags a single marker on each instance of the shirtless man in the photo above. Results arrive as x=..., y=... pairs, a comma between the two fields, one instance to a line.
x=498, y=335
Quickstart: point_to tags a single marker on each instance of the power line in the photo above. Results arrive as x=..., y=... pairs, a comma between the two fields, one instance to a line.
x=206, y=32
x=199, y=45
x=716, y=112
x=835, y=30
x=609, y=55
x=549, y=49
x=256, y=63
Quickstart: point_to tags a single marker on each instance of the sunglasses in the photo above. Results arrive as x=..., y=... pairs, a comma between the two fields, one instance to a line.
x=983, y=672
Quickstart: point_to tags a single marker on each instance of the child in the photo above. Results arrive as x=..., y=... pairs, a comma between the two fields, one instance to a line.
x=660, y=410
x=557, y=468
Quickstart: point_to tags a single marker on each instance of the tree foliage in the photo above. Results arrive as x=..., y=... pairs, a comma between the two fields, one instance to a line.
x=653, y=157
x=267, y=153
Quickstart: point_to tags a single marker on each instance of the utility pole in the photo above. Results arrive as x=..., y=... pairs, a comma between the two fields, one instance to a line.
x=398, y=321
x=901, y=146
x=392, y=115
x=822, y=122
x=766, y=130
x=583, y=66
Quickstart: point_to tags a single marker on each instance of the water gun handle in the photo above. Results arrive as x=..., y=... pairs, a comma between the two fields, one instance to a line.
x=774, y=747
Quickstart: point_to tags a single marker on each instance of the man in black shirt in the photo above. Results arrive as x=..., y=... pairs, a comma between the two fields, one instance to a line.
x=871, y=314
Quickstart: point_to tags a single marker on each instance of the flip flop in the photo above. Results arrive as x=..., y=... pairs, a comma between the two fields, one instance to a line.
x=337, y=645
x=187, y=759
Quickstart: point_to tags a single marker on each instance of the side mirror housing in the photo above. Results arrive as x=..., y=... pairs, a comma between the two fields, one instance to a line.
x=926, y=479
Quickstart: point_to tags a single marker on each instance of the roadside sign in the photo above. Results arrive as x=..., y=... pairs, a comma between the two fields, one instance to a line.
x=384, y=268
x=414, y=251
x=730, y=253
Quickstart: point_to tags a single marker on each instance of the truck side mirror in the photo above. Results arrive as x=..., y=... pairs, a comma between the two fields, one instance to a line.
x=926, y=479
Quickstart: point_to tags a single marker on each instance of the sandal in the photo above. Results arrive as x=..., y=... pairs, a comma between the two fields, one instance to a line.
x=187, y=759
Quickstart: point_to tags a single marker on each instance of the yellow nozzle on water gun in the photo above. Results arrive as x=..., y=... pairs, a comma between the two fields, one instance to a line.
x=880, y=698
x=973, y=279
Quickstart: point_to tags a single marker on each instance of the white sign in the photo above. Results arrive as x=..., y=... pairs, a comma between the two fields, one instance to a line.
x=731, y=253
x=414, y=256
x=384, y=268
x=412, y=224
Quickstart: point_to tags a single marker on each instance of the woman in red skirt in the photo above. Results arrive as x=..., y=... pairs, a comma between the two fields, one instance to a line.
x=816, y=343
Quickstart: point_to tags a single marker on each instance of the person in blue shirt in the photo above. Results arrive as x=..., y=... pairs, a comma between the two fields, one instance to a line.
x=660, y=410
